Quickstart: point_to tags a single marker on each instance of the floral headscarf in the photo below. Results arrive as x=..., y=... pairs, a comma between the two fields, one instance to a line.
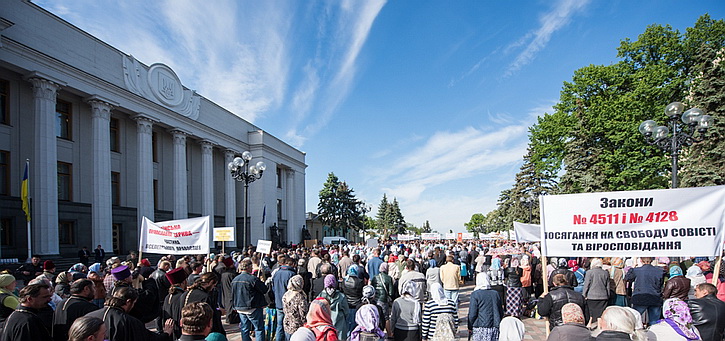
x=368, y=321
x=352, y=271
x=677, y=315
x=78, y=267
x=675, y=271
x=319, y=314
x=573, y=265
x=572, y=313
x=295, y=283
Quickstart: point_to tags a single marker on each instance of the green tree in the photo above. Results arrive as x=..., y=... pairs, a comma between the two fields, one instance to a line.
x=398, y=219
x=703, y=164
x=338, y=208
x=476, y=224
x=385, y=219
x=426, y=227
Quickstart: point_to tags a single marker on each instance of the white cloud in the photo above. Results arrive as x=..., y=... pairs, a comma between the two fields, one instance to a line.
x=550, y=22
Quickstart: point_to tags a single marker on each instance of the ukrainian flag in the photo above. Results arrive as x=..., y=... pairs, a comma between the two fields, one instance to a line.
x=24, y=193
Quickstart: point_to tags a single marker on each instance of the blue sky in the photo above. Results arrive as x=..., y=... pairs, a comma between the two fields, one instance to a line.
x=427, y=101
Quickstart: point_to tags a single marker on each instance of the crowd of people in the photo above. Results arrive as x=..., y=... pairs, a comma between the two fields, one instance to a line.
x=396, y=290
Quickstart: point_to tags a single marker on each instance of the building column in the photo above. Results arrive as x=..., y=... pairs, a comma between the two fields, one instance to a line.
x=145, y=191
x=101, y=210
x=230, y=198
x=292, y=228
x=207, y=185
x=181, y=205
x=44, y=171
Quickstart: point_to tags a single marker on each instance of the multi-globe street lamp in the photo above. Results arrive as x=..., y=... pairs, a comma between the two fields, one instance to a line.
x=528, y=201
x=243, y=172
x=692, y=130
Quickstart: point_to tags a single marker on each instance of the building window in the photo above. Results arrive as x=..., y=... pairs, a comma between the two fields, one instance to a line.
x=63, y=119
x=66, y=232
x=279, y=177
x=6, y=232
x=4, y=102
x=156, y=194
x=115, y=135
x=115, y=188
x=279, y=209
x=65, y=181
x=154, y=148
x=4, y=172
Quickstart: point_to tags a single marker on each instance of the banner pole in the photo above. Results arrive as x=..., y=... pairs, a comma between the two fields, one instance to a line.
x=716, y=270
x=545, y=280
x=223, y=242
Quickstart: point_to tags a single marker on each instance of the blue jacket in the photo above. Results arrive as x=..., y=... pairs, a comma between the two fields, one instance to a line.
x=279, y=283
x=248, y=292
x=374, y=266
x=648, y=281
x=485, y=309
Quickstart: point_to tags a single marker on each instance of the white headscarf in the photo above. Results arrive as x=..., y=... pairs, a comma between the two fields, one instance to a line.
x=482, y=282
x=438, y=295
x=511, y=329
x=410, y=293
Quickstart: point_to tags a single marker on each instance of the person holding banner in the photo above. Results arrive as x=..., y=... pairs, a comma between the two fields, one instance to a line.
x=561, y=294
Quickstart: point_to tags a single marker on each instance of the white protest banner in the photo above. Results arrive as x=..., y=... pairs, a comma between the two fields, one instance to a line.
x=430, y=236
x=177, y=237
x=224, y=234
x=527, y=232
x=264, y=246
x=467, y=236
x=670, y=222
x=372, y=242
x=450, y=236
x=406, y=237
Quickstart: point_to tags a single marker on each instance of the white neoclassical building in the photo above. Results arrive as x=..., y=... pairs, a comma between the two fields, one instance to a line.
x=111, y=140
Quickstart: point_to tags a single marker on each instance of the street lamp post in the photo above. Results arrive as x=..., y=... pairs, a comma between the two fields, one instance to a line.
x=528, y=201
x=242, y=171
x=692, y=130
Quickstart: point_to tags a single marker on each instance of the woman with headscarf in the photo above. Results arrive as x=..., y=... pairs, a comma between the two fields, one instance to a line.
x=617, y=285
x=95, y=274
x=526, y=276
x=295, y=304
x=495, y=275
x=573, y=328
x=368, y=298
x=368, y=324
x=8, y=300
x=514, y=291
x=62, y=285
x=352, y=288
x=438, y=304
x=511, y=329
x=405, y=316
x=485, y=311
x=677, y=324
x=339, y=307
x=319, y=321
x=677, y=286
x=694, y=274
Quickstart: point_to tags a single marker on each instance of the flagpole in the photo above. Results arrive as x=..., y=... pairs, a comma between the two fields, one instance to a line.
x=30, y=207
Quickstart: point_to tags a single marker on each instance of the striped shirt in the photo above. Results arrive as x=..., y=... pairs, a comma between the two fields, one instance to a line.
x=431, y=311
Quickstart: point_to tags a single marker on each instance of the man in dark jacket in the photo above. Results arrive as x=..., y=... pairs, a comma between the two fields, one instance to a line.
x=280, y=278
x=203, y=290
x=24, y=324
x=647, y=294
x=560, y=295
x=77, y=305
x=318, y=284
x=29, y=271
x=120, y=325
x=99, y=254
x=225, y=285
x=248, y=299
x=708, y=312
x=162, y=283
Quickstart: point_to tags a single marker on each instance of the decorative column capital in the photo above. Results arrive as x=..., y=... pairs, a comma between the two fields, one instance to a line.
x=229, y=154
x=207, y=146
x=290, y=172
x=179, y=136
x=144, y=123
x=100, y=107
